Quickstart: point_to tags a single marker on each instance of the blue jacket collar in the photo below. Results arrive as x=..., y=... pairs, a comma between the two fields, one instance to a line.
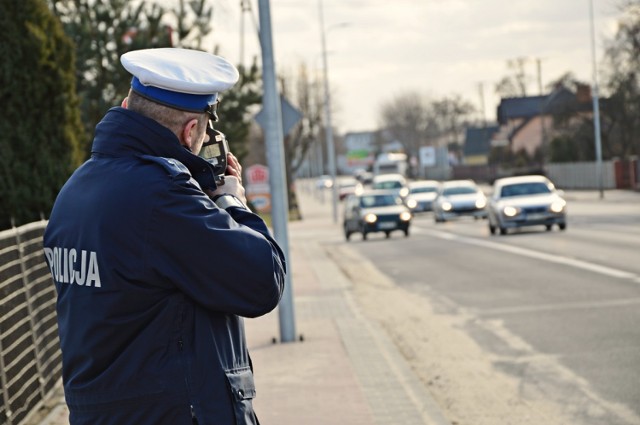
x=127, y=133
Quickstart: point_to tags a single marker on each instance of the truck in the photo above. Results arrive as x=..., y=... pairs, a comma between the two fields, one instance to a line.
x=391, y=162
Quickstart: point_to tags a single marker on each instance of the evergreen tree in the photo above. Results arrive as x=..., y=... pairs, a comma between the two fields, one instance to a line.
x=234, y=110
x=105, y=29
x=40, y=127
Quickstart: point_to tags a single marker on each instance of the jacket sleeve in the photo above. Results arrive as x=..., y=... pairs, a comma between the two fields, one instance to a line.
x=227, y=263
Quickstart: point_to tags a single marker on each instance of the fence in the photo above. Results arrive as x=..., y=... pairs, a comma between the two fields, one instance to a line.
x=30, y=358
x=616, y=174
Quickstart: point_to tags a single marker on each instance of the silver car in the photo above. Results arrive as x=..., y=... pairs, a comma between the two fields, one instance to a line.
x=421, y=195
x=526, y=201
x=457, y=198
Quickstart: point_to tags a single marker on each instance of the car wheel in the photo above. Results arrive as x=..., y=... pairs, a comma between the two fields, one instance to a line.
x=347, y=234
x=439, y=220
x=387, y=234
x=562, y=226
x=548, y=227
x=406, y=232
x=503, y=231
x=492, y=229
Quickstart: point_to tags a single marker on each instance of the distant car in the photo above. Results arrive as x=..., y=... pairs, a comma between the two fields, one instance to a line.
x=525, y=201
x=364, y=177
x=375, y=211
x=348, y=186
x=421, y=195
x=393, y=181
x=457, y=198
x=324, y=182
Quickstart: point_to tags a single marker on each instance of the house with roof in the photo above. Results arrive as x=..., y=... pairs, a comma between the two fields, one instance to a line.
x=527, y=123
x=477, y=144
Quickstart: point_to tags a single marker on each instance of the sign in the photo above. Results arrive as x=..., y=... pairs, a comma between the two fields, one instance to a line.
x=290, y=116
x=427, y=156
x=257, y=187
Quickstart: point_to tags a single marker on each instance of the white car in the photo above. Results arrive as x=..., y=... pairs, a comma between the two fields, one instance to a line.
x=422, y=193
x=526, y=201
x=393, y=181
x=457, y=198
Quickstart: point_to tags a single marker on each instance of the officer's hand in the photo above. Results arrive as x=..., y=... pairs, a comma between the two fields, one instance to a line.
x=232, y=180
x=232, y=186
x=233, y=167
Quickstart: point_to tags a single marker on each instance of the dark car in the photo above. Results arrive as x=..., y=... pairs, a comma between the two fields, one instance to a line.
x=375, y=211
x=525, y=201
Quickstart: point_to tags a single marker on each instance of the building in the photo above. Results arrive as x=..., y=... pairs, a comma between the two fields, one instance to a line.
x=527, y=123
x=477, y=145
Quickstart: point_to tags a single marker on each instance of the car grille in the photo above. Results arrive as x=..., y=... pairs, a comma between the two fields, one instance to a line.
x=464, y=208
x=387, y=218
x=534, y=210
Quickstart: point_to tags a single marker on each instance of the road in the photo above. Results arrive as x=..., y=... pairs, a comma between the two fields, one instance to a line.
x=531, y=327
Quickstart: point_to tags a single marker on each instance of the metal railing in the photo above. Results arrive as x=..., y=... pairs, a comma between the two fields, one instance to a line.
x=30, y=357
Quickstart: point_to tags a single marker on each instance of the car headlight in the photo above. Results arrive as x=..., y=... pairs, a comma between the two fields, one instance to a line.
x=481, y=203
x=412, y=203
x=405, y=216
x=370, y=218
x=446, y=206
x=557, y=206
x=510, y=211
x=404, y=192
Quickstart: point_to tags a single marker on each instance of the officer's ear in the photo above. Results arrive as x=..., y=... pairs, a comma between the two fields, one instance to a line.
x=190, y=133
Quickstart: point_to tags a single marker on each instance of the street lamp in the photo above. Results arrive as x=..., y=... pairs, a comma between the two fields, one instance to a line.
x=596, y=108
x=327, y=111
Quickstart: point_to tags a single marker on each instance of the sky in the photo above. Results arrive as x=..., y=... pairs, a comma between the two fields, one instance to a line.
x=379, y=50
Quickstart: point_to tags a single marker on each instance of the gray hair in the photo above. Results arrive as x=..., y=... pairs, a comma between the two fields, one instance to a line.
x=173, y=119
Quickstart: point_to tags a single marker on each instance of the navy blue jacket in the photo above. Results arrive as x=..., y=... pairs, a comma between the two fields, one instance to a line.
x=153, y=280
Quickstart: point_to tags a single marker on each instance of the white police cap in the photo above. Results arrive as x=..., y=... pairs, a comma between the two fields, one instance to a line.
x=184, y=79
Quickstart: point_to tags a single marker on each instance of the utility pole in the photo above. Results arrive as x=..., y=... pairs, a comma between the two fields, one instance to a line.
x=543, y=130
x=596, y=106
x=275, y=158
x=482, y=105
x=327, y=112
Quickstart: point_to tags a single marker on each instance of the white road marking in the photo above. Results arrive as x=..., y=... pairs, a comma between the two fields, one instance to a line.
x=558, y=259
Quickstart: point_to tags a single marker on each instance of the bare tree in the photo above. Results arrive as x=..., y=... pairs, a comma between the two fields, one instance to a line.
x=514, y=84
x=404, y=119
x=621, y=116
x=454, y=114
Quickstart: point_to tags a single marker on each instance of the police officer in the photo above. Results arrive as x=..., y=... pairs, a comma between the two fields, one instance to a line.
x=155, y=263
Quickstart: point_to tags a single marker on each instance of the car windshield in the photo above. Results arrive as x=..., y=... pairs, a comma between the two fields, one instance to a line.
x=391, y=184
x=425, y=189
x=523, y=189
x=459, y=190
x=370, y=201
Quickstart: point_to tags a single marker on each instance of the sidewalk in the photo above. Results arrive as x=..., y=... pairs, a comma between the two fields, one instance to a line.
x=342, y=369
x=346, y=370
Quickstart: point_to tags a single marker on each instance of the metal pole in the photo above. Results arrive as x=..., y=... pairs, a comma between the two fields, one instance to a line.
x=275, y=158
x=596, y=107
x=327, y=111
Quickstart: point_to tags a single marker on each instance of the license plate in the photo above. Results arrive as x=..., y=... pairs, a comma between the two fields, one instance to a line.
x=387, y=225
x=536, y=217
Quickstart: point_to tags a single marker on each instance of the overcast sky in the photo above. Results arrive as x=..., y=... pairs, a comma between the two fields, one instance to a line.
x=380, y=49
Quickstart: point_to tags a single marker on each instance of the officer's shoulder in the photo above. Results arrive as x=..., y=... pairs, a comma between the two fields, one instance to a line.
x=171, y=166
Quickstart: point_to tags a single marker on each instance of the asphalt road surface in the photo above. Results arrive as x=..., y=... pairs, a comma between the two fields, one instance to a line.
x=556, y=312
